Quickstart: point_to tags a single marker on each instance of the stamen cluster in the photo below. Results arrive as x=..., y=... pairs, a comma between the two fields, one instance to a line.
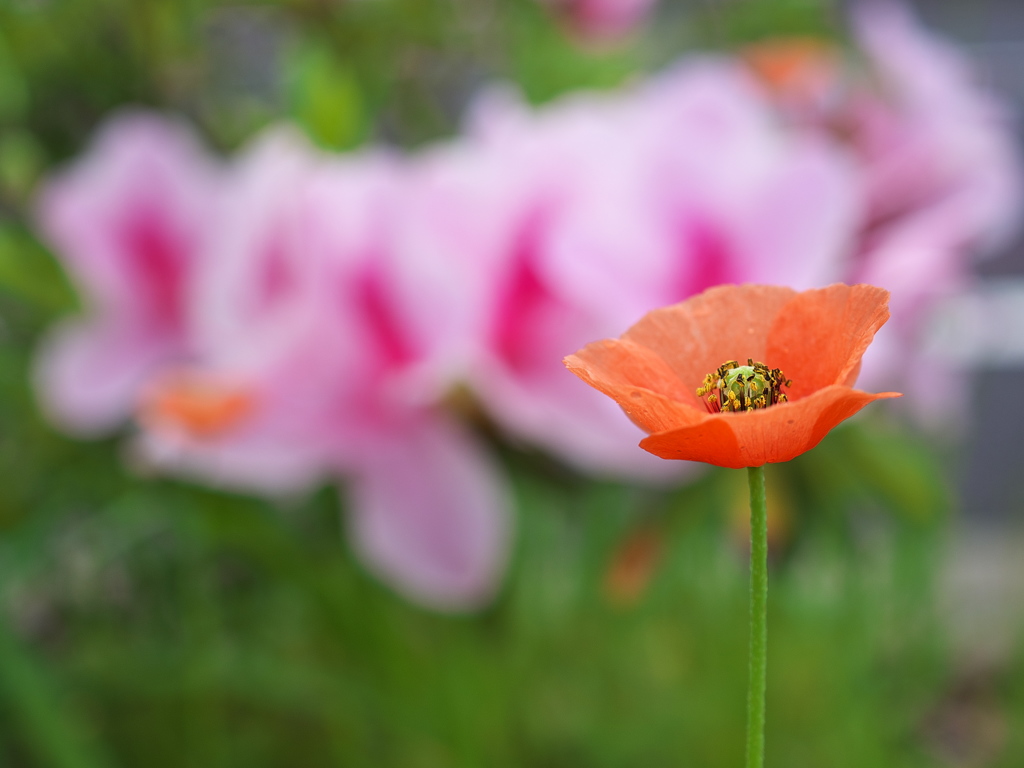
x=734, y=387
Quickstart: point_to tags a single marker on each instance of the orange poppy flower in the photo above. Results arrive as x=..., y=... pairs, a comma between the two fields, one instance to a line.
x=667, y=372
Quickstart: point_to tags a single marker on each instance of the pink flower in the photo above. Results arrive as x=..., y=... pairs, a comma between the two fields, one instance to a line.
x=261, y=309
x=941, y=172
x=944, y=184
x=473, y=212
x=932, y=137
x=127, y=222
x=577, y=219
x=602, y=19
x=306, y=367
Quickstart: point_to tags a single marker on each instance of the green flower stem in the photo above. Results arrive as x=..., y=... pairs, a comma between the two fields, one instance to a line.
x=758, y=617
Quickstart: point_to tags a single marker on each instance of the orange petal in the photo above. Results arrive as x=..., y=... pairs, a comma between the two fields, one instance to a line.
x=793, y=65
x=820, y=336
x=725, y=323
x=638, y=380
x=770, y=435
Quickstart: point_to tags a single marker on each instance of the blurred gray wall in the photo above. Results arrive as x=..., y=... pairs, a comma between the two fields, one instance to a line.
x=991, y=476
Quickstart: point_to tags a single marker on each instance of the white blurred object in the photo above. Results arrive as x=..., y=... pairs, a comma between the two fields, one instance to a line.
x=981, y=328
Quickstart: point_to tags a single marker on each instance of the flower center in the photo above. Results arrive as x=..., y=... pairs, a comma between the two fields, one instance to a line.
x=200, y=406
x=735, y=387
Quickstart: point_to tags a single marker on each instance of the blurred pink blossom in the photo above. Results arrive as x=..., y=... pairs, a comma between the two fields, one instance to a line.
x=305, y=368
x=248, y=316
x=941, y=171
x=945, y=185
x=601, y=20
x=931, y=136
x=126, y=221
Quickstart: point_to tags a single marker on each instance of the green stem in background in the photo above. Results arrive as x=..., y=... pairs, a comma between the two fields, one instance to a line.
x=758, y=617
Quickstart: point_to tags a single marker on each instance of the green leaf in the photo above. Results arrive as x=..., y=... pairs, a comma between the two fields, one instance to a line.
x=326, y=100
x=21, y=163
x=29, y=273
x=899, y=467
x=14, y=92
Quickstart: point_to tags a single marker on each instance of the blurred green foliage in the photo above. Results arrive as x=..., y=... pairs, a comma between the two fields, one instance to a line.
x=398, y=70
x=150, y=623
